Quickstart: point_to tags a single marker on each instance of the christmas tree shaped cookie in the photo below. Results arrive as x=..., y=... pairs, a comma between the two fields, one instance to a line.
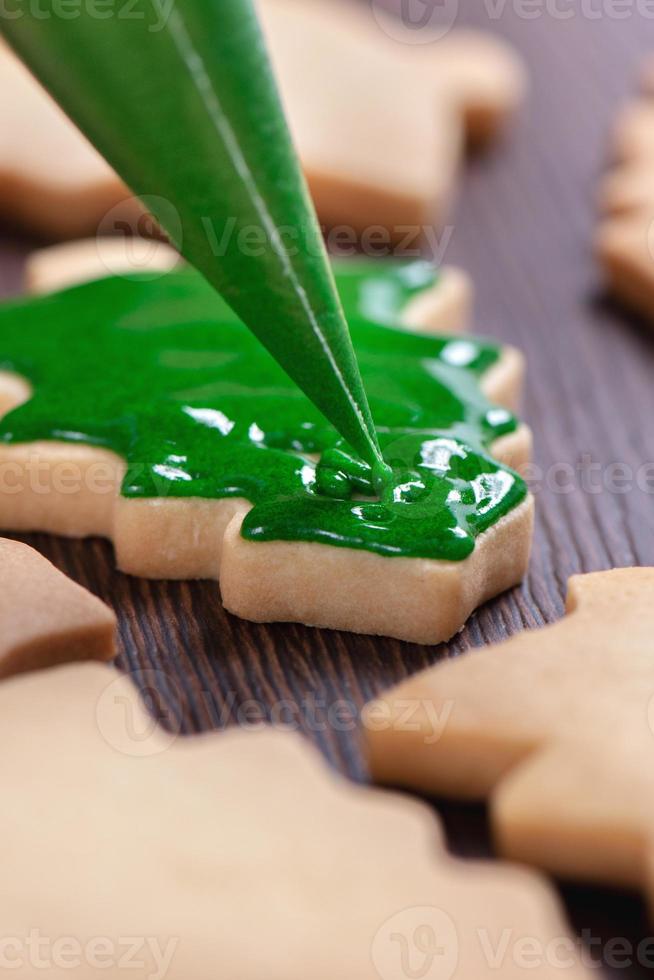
x=556, y=727
x=236, y=852
x=183, y=441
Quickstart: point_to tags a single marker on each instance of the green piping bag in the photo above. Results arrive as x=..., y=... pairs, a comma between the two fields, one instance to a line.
x=179, y=97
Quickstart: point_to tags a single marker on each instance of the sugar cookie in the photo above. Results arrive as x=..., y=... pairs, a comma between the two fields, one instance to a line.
x=51, y=179
x=624, y=248
x=241, y=849
x=175, y=422
x=647, y=76
x=447, y=309
x=478, y=72
x=625, y=238
x=633, y=136
x=49, y=270
x=46, y=619
x=380, y=138
x=555, y=726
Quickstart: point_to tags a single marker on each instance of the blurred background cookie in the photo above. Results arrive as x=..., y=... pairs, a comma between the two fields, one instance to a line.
x=380, y=125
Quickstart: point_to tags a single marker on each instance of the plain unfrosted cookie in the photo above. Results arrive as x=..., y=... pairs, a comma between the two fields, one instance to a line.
x=624, y=248
x=647, y=76
x=625, y=238
x=46, y=619
x=379, y=124
x=164, y=535
x=479, y=73
x=237, y=849
x=52, y=180
x=381, y=137
x=555, y=727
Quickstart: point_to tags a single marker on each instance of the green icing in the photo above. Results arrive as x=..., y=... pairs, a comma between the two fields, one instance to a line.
x=183, y=104
x=163, y=373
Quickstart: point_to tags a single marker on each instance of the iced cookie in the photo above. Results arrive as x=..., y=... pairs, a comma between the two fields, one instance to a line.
x=237, y=849
x=625, y=238
x=445, y=309
x=556, y=727
x=46, y=619
x=49, y=270
x=381, y=137
x=193, y=451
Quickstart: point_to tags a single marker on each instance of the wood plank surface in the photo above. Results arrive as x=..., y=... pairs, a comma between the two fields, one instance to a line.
x=523, y=227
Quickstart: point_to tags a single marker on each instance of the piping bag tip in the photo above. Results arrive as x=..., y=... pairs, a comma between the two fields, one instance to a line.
x=382, y=474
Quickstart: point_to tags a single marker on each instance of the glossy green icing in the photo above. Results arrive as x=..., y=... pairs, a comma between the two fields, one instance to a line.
x=180, y=99
x=164, y=374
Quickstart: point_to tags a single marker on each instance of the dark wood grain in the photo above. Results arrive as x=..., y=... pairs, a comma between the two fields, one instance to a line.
x=523, y=227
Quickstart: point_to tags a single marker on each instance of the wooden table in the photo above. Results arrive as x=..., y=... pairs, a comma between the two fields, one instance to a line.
x=524, y=229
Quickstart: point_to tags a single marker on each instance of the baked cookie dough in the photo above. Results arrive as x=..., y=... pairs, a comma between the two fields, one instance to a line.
x=52, y=181
x=49, y=270
x=172, y=421
x=238, y=849
x=380, y=128
x=382, y=136
x=555, y=727
x=45, y=619
x=447, y=309
x=625, y=237
x=478, y=72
